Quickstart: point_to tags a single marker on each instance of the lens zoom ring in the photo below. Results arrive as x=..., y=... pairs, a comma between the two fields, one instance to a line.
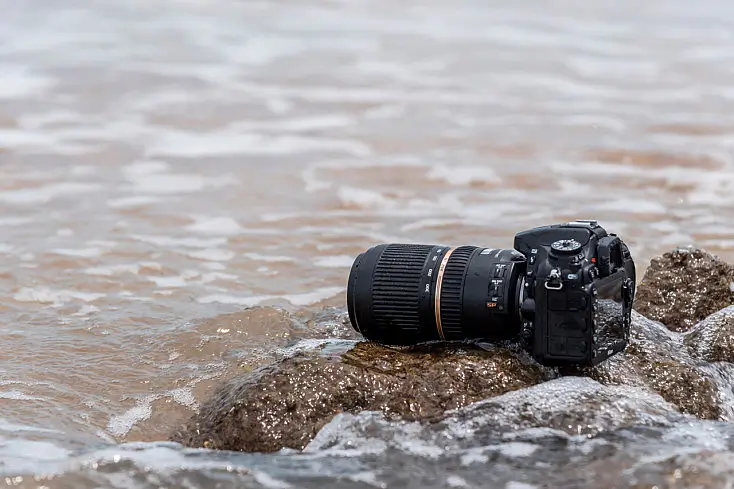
x=452, y=288
x=396, y=289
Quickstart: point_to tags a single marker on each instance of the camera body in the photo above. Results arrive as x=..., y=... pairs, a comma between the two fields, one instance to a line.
x=577, y=293
x=565, y=291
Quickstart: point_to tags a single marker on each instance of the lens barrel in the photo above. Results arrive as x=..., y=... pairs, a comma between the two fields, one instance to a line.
x=403, y=294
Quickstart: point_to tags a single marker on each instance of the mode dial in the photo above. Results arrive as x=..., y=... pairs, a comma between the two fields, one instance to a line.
x=566, y=246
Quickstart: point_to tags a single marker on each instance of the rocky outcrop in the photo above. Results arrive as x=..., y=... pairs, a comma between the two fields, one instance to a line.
x=285, y=404
x=683, y=287
x=655, y=359
x=712, y=340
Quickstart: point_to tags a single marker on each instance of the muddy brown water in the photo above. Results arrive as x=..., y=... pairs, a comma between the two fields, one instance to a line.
x=165, y=164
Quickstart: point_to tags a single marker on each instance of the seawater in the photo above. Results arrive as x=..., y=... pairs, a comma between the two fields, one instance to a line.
x=165, y=164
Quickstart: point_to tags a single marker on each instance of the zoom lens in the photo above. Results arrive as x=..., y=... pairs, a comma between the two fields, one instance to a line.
x=402, y=294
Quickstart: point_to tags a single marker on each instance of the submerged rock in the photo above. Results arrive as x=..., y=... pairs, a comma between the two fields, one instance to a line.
x=712, y=339
x=683, y=287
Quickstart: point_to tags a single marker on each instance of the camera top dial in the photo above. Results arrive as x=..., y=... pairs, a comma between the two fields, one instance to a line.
x=566, y=246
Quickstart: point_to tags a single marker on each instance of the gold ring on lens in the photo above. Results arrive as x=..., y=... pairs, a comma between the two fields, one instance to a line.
x=437, y=299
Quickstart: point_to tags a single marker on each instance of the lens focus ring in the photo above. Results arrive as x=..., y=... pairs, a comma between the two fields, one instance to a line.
x=395, y=290
x=452, y=291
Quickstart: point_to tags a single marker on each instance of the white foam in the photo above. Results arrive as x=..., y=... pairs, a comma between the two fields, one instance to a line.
x=102, y=242
x=313, y=297
x=474, y=456
x=168, y=282
x=213, y=276
x=31, y=120
x=147, y=167
x=268, y=258
x=463, y=175
x=18, y=396
x=113, y=270
x=516, y=449
x=367, y=478
x=456, y=481
x=229, y=142
x=308, y=345
x=86, y=310
x=420, y=448
x=46, y=295
x=23, y=456
x=298, y=124
x=187, y=242
x=14, y=221
x=385, y=111
x=46, y=193
x=519, y=485
x=121, y=425
x=212, y=254
x=222, y=226
x=313, y=184
x=427, y=223
x=17, y=81
x=79, y=252
x=634, y=206
x=364, y=198
x=184, y=396
x=132, y=201
x=181, y=183
x=235, y=300
x=335, y=261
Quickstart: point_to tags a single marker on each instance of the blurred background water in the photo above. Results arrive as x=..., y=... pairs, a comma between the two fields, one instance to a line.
x=166, y=163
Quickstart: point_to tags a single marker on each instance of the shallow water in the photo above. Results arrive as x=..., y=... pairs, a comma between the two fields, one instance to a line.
x=165, y=164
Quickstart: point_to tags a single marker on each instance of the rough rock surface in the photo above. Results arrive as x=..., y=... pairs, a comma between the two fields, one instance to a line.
x=284, y=405
x=712, y=339
x=683, y=287
x=656, y=359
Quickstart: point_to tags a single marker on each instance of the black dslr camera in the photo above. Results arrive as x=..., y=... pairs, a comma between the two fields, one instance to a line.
x=565, y=290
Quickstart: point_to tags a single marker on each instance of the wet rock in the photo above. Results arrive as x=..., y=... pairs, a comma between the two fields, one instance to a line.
x=286, y=404
x=567, y=432
x=683, y=287
x=576, y=406
x=656, y=359
x=567, y=406
x=712, y=339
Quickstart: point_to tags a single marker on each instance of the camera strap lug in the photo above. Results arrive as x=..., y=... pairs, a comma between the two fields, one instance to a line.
x=554, y=282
